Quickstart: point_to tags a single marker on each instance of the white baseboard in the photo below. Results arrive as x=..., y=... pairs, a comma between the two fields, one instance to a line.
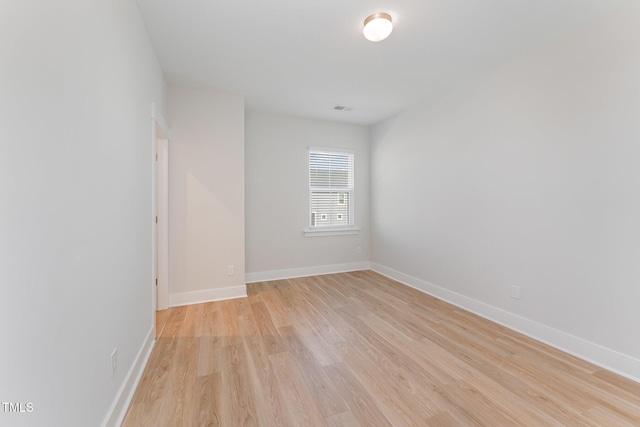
x=207, y=295
x=606, y=358
x=265, y=276
x=119, y=407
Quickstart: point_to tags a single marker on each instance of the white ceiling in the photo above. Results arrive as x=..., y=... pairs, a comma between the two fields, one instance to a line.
x=305, y=57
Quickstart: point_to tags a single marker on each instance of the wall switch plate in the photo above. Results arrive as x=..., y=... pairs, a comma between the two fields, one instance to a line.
x=515, y=292
x=231, y=270
x=359, y=249
x=114, y=362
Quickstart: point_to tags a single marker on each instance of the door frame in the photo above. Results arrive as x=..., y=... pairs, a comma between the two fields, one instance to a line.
x=160, y=223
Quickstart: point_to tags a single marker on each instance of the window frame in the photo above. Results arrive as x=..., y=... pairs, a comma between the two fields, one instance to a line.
x=331, y=230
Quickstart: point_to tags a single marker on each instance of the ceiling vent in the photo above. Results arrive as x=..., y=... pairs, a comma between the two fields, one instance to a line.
x=342, y=108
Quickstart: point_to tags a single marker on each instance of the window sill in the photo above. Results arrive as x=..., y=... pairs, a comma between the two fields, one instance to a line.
x=329, y=231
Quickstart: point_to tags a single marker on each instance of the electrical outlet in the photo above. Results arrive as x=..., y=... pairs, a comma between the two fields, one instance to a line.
x=114, y=362
x=231, y=270
x=515, y=292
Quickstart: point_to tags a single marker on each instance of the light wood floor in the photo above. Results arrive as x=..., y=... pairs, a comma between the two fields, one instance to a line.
x=360, y=349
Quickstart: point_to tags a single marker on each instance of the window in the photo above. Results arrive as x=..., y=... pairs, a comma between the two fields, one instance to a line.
x=330, y=188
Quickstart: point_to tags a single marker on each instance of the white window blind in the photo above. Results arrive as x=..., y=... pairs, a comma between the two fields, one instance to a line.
x=331, y=185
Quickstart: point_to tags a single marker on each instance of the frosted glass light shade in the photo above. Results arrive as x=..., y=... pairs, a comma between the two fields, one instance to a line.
x=377, y=27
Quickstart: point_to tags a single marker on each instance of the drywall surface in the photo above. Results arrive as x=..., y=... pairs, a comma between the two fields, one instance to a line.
x=76, y=85
x=206, y=194
x=527, y=176
x=277, y=194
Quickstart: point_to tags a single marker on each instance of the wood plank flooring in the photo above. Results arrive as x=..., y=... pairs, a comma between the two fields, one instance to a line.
x=358, y=349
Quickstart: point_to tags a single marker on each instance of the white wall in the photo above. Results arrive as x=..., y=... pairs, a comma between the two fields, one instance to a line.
x=76, y=83
x=528, y=176
x=206, y=195
x=277, y=196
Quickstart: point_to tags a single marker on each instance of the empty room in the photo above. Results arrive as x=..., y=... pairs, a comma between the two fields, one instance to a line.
x=337, y=213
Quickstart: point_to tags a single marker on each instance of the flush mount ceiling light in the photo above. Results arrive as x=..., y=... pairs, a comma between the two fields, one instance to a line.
x=377, y=27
